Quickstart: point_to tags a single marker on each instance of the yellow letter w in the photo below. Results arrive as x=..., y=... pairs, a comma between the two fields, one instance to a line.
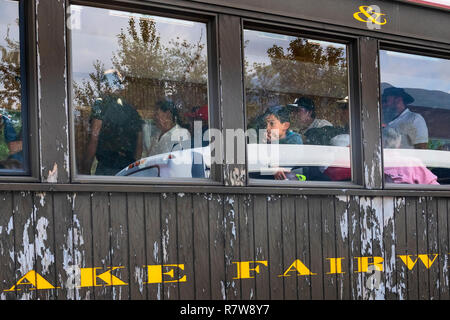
x=423, y=257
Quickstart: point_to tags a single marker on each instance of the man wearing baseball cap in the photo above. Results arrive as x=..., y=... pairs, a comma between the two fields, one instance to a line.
x=411, y=126
x=304, y=115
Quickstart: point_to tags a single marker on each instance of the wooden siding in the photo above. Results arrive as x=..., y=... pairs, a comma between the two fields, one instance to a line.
x=56, y=233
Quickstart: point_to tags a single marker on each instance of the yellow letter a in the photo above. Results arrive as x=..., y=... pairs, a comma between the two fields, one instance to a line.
x=302, y=270
x=33, y=278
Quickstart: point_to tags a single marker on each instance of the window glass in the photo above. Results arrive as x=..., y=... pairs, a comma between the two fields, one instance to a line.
x=297, y=108
x=415, y=118
x=140, y=95
x=11, y=153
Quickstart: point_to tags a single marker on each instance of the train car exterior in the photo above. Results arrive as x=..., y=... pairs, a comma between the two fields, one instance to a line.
x=225, y=233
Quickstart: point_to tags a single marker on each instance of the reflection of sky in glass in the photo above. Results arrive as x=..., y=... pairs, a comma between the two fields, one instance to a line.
x=94, y=35
x=415, y=71
x=9, y=12
x=257, y=43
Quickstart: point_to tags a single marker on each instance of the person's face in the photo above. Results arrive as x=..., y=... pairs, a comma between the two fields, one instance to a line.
x=163, y=119
x=391, y=106
x=389, y=102
x=303, y=117
x=275, y=129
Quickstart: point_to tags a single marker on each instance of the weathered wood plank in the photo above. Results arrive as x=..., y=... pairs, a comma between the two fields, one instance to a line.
x=202, y=267
x=316, y=246
x=169, y=244
x=73, y=239
x=275, y=246
x=411, y=247
x=53, y=115
x=217, y=247
x=101, y=240
x=422, y=248
x=231, y=232
x=261, y=230
x=45, y=243
x=247, y=249
x=444, y=248
x=329, y=248
x=289, y=245
x=401, y=270
x=370, y=114
x=24, y=244
x=152, y=204
x=303, y=245
x=119, y=244
x=7, y=254
x=229, y=30
x=355, y=246
x=136, y=242
x=433, y=248
x=389, y=248
x=366, y=229
x=342, y=247
x=379, y=278
x=185, y=245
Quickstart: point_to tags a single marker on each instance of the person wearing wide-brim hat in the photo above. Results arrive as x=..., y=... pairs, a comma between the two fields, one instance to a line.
x=411, y=126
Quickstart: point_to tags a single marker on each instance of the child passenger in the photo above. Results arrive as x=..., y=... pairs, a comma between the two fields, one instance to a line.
x=277, y=119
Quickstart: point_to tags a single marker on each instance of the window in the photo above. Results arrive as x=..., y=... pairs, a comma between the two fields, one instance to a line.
x=12, y=111
x=139, y=94
x=415, y=118
x=297, y=107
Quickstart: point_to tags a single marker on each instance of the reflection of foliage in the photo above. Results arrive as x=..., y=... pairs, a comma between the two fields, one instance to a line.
x=10, y=90
x=140, y=56
x=96, y=86
x=151, y=70
x=10, y=74
x=309, y=68
x=303, y=68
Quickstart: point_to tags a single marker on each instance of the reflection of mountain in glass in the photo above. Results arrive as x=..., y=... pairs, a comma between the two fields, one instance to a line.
x=434, y=106
x=425, y=98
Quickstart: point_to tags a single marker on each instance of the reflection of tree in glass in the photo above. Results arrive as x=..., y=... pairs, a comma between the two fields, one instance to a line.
x=10, y=74
x=303, y=68
x=92, y=88
x=10, y=89
x=151, y=70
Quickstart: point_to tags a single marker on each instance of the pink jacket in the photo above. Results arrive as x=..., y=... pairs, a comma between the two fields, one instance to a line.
x=410, y=175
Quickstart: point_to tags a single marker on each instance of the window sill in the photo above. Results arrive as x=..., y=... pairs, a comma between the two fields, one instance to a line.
x=220, y=189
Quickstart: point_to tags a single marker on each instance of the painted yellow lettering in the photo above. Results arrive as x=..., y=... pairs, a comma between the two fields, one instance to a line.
x=155, y=273
x=32, y=278
x=89, y=278
x=363, y=263
x=243, y=268
x=423, y=257
x=335, y=265
x=298, y=266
